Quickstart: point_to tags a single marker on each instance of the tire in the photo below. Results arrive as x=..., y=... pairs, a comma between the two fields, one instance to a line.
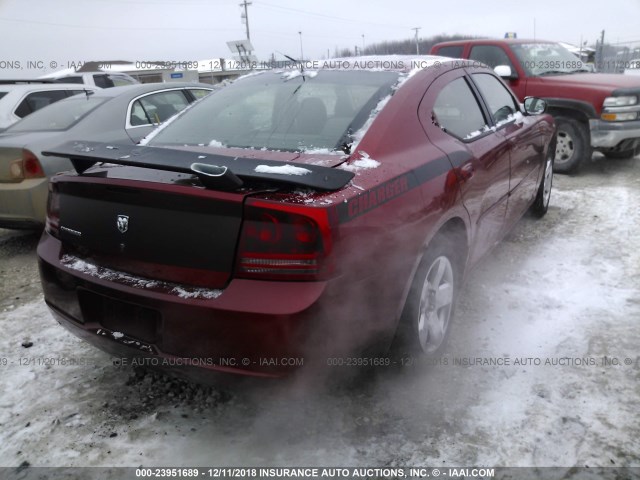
x=572, y=145
x=541, y=203
x=424, y=326
x=624, y=155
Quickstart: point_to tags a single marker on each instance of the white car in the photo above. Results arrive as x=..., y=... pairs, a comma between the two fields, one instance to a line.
x=97, y=79
x=19, y=98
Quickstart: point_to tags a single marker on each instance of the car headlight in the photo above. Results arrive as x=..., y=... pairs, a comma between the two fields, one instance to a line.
x=624, y=101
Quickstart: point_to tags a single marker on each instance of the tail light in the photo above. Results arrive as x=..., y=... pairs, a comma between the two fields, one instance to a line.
x=284, y=242
x=52, y=225
x=26, y=167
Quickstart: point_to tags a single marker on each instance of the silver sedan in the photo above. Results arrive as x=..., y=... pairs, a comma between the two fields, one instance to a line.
x=119, y=115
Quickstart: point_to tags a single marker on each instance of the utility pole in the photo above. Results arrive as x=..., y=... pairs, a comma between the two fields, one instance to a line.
x=601, y=56
x=301, y=53
x=245, y=4
x=417, y=45
x=363, y=43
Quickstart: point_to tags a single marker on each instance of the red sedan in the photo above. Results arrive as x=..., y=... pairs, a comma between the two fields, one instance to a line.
x=295, y=216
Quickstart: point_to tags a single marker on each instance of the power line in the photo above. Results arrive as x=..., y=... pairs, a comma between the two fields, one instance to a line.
x=322, y=15
x=111, y=27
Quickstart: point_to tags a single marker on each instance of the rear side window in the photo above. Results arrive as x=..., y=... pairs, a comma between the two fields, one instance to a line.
x=490, y=55
x=453, y=51
x=71, y=93
x=120, y=81
x=199, y=92
x=157, y=108
x=59, y=116
x=457, y=111
x=500, y=102
x=106, y=80
x=37, y=100
x=2, y=94
x=73, y=79
x=103, y=81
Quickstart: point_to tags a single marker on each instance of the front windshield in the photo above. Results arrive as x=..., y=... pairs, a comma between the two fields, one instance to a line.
x=58, y=116
x=547, y=59
x=283, y=111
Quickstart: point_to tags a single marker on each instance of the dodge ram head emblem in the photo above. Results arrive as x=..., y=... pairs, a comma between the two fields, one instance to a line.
x=123, y=223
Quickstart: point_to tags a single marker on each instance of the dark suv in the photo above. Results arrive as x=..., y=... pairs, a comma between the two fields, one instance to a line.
x=593, y=111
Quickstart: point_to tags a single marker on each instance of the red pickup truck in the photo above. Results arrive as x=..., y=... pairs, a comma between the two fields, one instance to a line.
x=592, y=111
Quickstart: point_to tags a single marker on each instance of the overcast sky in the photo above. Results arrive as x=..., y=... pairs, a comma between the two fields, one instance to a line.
x=55, y=32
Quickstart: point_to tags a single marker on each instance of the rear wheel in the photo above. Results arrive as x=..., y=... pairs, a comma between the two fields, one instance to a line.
x=541, y=203
x=572, y=145
x=426, y=320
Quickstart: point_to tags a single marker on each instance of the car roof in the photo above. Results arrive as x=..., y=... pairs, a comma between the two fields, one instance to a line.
x=498, y=40
x=148, y=87
x=12, y=87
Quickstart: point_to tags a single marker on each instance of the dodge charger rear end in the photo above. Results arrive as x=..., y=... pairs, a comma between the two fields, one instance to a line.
x=294, y=216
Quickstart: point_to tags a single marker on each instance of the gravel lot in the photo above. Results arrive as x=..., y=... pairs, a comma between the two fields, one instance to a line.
x=553, y=299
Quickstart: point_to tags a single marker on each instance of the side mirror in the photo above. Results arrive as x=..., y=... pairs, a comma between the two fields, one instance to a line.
x=534, y=106
x=504, y=71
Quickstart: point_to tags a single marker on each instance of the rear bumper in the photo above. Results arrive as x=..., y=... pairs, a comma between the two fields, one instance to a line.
x=608, y=135
x=252, y=328
x=24, y=204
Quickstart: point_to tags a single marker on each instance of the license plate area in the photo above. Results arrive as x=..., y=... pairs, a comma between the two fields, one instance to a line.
x=132, y=320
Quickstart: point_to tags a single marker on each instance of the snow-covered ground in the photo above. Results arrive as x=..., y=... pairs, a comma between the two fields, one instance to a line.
x=564, y=290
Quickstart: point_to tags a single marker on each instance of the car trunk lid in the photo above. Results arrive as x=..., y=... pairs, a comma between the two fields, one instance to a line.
x=157, y=221
x=159, y=233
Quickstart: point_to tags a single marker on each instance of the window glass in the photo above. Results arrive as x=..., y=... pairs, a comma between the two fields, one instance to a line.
x=2, y=94
x=103, y=81
x=158, y=107
x=500, y=102
x=37, y=100
x=490, y=55
x=547, y=59
x=120, y=80
x=139, y=115
x=283, y=111
x=59, y=116
x=453, y=51
x=457, y=111
x=199, y=92
x=72, y=79
x=71, y=93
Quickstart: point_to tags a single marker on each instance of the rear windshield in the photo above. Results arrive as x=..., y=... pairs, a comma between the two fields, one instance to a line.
x=283, y=111
x=59, y=116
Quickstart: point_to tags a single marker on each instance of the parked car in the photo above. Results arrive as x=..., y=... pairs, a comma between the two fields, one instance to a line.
x=98, y=79
x=593, y=111
x=19, y=98
x=121, y=114
x=293, y=214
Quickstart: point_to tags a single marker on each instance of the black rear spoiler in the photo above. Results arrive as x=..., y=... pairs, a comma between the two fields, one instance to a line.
x=218, y=172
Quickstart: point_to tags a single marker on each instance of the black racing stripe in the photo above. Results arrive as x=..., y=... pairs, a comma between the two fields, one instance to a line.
x=387, y=191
